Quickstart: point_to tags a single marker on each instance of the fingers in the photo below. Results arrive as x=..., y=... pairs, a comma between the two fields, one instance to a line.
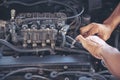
x=80, y=38
x=105, y=37
x=85, y=29
x=88, y=30
x=93, y=44
x=97, y=40
x=92, y=31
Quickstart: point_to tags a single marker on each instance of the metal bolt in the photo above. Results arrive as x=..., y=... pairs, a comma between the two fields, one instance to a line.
x=65, y=67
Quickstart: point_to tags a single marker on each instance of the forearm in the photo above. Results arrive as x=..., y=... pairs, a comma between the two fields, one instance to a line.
x=114, y=18
x=111, y=57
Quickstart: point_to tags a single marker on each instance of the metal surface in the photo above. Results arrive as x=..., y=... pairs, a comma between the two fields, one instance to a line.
x=47, y=60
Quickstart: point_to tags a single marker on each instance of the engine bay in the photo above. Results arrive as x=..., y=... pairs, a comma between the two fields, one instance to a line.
x=37, y=39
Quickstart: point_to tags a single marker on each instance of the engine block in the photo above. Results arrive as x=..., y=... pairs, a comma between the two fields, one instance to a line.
x=37, y=39
x=38, y=29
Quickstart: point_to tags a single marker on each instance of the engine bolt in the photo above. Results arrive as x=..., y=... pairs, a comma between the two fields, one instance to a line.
x=66, y=78
x=28, y=41
x=48, y=41
x=24, y=45
x=28, y=76
x=34, y=44
x=43, y=44
x=53, y=74
x=65, y=67
x=52, y=45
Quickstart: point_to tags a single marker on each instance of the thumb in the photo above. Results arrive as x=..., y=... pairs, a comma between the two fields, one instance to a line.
x=81, y=39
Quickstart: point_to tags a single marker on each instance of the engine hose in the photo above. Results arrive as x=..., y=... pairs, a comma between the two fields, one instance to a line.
x=4, y=42
x=64, y=49
x=2, y=47
x=22, y=70
x=77, y=28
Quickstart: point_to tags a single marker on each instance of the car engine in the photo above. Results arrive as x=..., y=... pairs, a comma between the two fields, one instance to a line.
x=37, y=39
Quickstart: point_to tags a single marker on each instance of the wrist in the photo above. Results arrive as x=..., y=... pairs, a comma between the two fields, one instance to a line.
x=109, y=25
x=103, y=50
x=112, y=22
x=107, y=50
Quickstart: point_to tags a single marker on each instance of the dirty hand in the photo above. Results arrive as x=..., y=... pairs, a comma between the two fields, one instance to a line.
x=102, y=30
x=93, y=44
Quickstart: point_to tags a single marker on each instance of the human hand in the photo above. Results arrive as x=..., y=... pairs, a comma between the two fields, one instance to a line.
x=93, y=44
x=102, y=30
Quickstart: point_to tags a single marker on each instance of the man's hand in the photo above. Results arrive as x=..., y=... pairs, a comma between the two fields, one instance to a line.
x=101, y=30
x=93, y=44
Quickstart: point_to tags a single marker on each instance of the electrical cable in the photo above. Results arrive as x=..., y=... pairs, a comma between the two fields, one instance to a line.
x=93, y=75
x=74, y=43
x=22, y=70
x=40, y=77
x=99, y=76
x=22, y=3
x=80, y=73
x=103, y=72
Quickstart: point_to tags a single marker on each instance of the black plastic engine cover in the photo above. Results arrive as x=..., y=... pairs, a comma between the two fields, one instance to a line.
x=53, y=61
